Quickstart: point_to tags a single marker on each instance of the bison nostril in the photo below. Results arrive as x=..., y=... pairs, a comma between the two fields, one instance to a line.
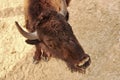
x=84, y=63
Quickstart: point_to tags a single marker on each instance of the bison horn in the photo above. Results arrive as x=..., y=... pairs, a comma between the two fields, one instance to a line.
x=63, y=10
x=30, y=36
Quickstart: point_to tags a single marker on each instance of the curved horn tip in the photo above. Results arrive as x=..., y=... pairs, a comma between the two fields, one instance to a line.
x=63, y=10
x=30, y=36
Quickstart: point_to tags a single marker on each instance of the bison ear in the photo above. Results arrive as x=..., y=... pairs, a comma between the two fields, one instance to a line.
x=32, y=42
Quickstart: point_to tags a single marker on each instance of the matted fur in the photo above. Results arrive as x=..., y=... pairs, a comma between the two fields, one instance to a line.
x=54, y=35
x=33, y=8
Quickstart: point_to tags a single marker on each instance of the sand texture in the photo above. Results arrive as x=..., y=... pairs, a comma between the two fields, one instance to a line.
x=96, y=24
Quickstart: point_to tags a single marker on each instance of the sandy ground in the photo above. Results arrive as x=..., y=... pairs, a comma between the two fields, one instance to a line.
x=96, y=23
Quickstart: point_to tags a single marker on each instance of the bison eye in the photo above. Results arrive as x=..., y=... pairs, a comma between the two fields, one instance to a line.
x=51, y=45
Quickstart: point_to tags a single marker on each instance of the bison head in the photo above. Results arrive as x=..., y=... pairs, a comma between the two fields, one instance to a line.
x=56, y=38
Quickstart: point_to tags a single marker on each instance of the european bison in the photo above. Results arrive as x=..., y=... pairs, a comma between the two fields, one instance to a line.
x=54, y=37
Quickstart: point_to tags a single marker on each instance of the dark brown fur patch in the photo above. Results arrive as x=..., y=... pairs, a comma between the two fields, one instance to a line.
x=55, y=35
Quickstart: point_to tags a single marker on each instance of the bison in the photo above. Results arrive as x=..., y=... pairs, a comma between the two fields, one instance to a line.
x=53, y=36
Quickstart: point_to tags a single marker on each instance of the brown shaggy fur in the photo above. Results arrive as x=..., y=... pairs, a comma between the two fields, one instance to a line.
x=57, y=40
x=34, y=7
x=56, y=37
